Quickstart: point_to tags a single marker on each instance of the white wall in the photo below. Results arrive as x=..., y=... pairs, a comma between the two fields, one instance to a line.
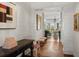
x=67, y=28
x=40, y=32
x=22, y=29
x=24, y=25
x=76, y=36
x=36, y=34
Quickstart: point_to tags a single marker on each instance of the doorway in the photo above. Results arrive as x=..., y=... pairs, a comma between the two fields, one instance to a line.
x=52, y=23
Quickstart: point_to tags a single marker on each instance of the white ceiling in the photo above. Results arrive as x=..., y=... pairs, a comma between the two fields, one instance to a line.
x=52, y=15
x=44, y=5
x=41, y=5
x=51, y=9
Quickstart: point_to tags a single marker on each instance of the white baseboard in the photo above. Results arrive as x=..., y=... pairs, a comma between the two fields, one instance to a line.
x=68, y=52
x=76, y=54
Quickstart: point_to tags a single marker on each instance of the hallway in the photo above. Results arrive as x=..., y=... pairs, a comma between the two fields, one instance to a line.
x=52, y=48
x=39, y=21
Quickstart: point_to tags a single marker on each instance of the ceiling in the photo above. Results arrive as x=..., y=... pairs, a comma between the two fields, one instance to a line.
x=44, y=5
x=41, y=5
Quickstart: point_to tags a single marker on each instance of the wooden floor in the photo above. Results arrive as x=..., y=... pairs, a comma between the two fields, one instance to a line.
x=52, y=48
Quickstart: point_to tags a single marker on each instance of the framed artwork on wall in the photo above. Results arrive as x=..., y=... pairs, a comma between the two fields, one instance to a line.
x=38, y=21
x=76, y=22
x=7, y=15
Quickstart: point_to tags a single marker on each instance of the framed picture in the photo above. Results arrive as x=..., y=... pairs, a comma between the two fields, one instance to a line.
x=7, y=15
x=76, y=22
x=38, y=21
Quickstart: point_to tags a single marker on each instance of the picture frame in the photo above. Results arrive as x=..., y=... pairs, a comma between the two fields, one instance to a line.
x=7, y=15
x=76, y=22
x=38, y=21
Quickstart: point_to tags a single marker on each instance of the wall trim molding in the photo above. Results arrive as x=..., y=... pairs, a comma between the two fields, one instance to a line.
x=68, y=52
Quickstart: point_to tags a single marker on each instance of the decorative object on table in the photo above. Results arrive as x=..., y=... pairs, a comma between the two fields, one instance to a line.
x=7, y=15
x=76, y=22
x=28, y=52
x=9, y=43
x=36, y=46
x=38, y=21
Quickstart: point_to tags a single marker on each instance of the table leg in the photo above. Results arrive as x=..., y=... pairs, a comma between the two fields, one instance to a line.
x=23, y=54
x=31, y=51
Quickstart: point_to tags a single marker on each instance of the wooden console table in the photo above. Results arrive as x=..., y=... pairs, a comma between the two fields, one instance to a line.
x=22, y=46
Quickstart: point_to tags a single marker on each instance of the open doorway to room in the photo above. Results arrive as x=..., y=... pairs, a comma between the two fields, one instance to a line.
x=52, y=23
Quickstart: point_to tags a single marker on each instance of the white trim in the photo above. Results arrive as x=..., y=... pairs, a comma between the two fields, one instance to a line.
x=68, y=52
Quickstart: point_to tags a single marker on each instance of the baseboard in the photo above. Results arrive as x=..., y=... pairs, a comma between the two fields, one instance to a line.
x=68, y=52
x=76, y=54
x=67, y=55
